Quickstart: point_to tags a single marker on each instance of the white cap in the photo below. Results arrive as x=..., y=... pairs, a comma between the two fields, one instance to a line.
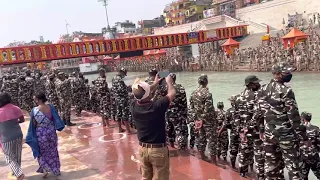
x=145, y=86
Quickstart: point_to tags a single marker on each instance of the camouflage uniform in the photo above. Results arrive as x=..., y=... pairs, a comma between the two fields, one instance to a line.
x=31, y=80
x=103, y=95
x=93, y=98
x=24, y=94
x=310, y=155
x=63, y=88
x=51, y=93
x=113, y=107
x=201, y=104
x=282, y=124
x=223, y=139
x=86, y=94
x=121, y=97
x=78, y=94
x=246, y=105
x=72, y=80
x=13, y=91
x=232, y=118
x=131, y=99
x=39, y=84
x=177, y=117
x=191, y=127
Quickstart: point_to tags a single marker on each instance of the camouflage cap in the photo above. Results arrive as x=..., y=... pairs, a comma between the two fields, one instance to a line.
x=61, y=73
x=153, y=71
x=22, y=77
x=220, y=104
x=51, y=75
x=124, y=70
x=173, y=76
x=203, y=78
x=233, y=98
x=251, y=79
x=102, y=70
x=307, y=116
x=282, y=67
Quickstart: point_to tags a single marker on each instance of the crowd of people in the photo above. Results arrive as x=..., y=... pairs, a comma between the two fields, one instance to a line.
x=266, y=128
x=304, y=56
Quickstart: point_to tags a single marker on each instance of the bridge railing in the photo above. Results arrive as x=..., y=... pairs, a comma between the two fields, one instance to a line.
x=27, y=54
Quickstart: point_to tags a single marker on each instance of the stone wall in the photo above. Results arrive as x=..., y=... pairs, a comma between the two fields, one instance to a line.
x=273, y=12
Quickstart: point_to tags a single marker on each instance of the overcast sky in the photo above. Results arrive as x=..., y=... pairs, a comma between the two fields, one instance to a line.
x=26, y=20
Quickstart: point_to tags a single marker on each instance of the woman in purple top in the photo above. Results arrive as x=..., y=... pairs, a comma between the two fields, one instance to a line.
x=48, y=158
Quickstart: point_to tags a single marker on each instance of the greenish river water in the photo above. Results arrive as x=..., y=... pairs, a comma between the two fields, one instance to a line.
x=222, y=85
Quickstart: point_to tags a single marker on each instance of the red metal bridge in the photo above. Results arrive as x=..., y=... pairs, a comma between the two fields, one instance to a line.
x=39, y=53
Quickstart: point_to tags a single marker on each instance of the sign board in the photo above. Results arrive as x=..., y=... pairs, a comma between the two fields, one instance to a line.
x=212, y=34
x=208, y=13
x=193, y=37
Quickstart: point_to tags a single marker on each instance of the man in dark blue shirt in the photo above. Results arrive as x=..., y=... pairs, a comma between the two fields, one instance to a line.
x=149, y=117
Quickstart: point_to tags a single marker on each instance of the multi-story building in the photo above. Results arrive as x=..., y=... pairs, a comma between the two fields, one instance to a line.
x=147, y=26
x=225, y=7
x=195, y=11
x=184, y=11
x=125, y=27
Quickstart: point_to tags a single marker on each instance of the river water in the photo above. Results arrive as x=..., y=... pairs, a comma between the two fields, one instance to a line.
x=222, y=85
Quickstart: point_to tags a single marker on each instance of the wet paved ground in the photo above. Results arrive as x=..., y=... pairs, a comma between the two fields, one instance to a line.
x=92, y=152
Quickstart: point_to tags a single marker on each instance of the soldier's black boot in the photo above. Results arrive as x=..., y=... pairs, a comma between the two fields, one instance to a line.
x=69, y=123
x=203, y=156
x=233, y=165
x=65, y=122
x=243, y=171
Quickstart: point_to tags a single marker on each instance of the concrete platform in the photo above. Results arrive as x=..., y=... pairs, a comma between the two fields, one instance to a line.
x=91, y=152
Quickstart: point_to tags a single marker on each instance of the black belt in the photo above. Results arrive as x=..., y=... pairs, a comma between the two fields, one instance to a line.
x=148, y=145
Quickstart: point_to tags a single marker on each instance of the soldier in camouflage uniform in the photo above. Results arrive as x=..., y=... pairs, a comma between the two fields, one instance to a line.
x=63, y=89
x=232, y=118
x=177, y=117
x=78, y=93
x=201, y=106
x=24, y=94
x=72, y=78
x=13, y=91
x=282, y=124
x=122, y=99
x=190, y=122
x=93, y=98
x=113, y=106
x=248, y=129
x=51, y=93
x=223, y=138
x=103, y=94
x=30, y=80
x=310, y=154
x=39, y=83
x=131, y=99
x=152, y=75
x=87, y=95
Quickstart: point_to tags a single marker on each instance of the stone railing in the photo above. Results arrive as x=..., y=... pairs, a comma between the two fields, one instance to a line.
x=265, y=5
x=259, y=26
x=193, y=26
x=233, y=20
